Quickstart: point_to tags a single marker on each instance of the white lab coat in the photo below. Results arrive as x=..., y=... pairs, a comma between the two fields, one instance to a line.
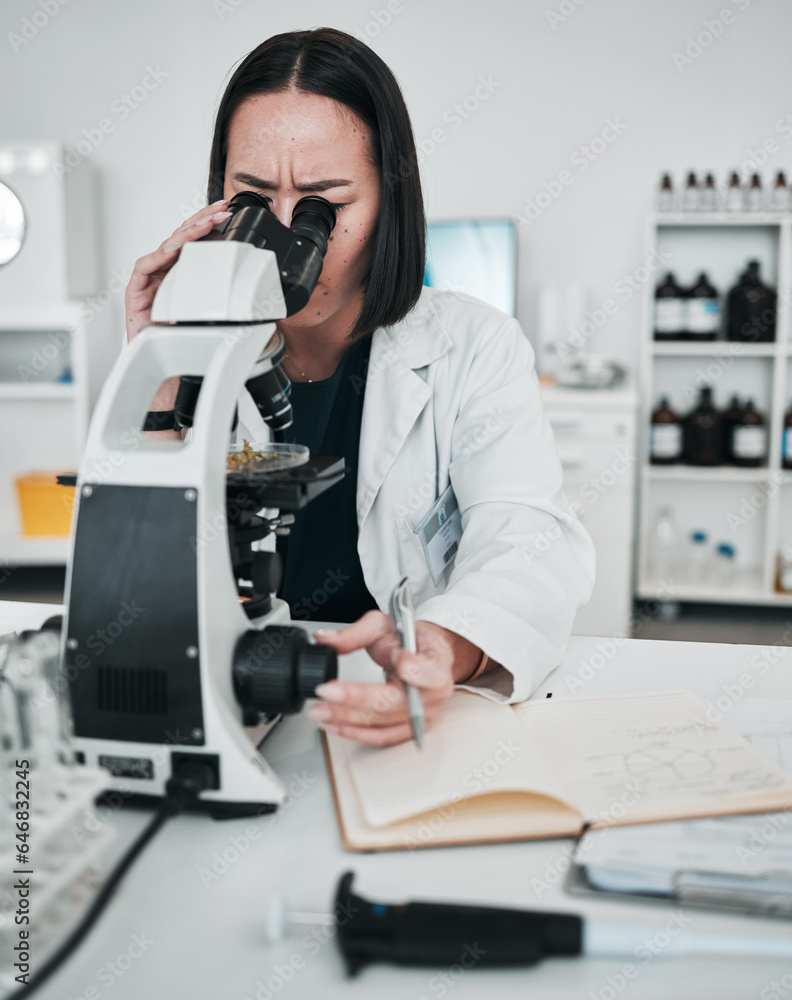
x=452, y=397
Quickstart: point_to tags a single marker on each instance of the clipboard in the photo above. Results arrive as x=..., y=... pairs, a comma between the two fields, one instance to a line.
x=768, y=895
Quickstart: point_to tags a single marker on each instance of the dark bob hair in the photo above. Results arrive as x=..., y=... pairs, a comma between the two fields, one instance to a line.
x=336, y=65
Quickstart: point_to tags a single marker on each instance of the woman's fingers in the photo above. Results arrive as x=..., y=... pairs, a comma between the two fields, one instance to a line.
x=202, y=215
x=374, y=737
x=373, y=632
x=150, y=269
x=360, y=704
x=370, y=705
x=165, y=255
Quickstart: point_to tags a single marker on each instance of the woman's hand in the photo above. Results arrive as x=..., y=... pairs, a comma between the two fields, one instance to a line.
x=378, y=713
x=151, y=269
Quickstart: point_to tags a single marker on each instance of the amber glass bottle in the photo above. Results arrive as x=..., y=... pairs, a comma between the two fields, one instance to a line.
x=665, y=446
x=749, y=438
x=751, y=308
x=703, y=434
x=670, y=315
x=703, y=311
x=730, y=418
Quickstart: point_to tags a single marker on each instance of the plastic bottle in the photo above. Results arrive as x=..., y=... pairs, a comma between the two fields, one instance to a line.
x=749, y=438
x=703, y=311
x=751, y=310
x=755, y=196
x=664, y=545
x=779, y=199
x=735, y=198
x=690, y=196
x=708, y=195
x=665, y=194
x=703, y=433
x=670, y=305
x=725, y=565
x=698, y=558
x=665, y=446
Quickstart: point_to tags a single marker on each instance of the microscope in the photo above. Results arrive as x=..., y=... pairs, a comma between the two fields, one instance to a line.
x=178, y=656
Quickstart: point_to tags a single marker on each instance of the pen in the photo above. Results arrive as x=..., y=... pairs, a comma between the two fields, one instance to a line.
x=402, y=612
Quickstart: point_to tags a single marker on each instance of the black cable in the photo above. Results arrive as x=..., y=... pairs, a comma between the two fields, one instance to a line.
x=168, y=809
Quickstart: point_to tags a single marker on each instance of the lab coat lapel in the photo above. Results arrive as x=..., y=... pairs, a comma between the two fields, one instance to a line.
x=395, y=396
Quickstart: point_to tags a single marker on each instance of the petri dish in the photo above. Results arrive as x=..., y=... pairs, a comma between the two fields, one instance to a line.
x=251, y=459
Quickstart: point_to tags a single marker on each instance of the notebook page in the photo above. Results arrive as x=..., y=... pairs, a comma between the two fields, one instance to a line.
x=631, y=757
x=473, y=747
x=646, y=858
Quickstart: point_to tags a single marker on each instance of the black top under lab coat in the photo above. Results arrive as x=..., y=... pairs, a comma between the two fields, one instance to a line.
x=322, y=577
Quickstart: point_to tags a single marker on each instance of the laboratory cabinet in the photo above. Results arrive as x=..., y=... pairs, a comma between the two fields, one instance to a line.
x=595, y=431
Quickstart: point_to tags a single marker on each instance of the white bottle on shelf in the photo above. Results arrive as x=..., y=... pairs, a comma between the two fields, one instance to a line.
x=698, y=558
x=725, y=569
x=708, y=195
x=663, y=545
x=690, y=195
x=779, y=199
x=754, y=197
x=734, y=199
x=665, y=194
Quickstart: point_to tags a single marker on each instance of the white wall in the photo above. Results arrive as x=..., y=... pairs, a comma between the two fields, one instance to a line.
x=557, y=85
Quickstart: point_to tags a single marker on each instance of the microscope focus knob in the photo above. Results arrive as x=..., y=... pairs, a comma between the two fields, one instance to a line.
x=275, y=668
x=267, y=572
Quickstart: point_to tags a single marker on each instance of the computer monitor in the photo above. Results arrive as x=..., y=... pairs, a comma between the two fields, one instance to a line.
x=476, y=256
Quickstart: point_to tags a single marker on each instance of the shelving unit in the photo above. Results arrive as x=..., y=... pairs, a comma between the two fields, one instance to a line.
x=44, y=421
x=54, y=326
x=749, y=508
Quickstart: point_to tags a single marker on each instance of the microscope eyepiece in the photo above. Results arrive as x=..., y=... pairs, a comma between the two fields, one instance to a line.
x=252, y=219
x=314, y=218
x=300, y=249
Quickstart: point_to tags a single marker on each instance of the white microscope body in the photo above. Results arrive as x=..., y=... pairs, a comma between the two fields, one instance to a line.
x=154, y=615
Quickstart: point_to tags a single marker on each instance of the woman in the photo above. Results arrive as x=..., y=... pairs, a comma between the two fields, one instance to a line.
x=430, y=396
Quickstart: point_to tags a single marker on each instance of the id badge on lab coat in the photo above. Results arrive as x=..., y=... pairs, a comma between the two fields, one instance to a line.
x=440, y=532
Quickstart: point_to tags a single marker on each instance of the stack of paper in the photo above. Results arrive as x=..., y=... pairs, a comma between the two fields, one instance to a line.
x=742, y=860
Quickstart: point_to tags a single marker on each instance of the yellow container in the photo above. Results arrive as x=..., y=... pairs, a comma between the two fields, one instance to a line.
x=45, y=507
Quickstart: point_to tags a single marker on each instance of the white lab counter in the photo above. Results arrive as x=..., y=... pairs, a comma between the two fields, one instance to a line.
x=197, y=896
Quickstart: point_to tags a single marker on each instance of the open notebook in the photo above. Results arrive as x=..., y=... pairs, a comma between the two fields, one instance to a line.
x=490, y=772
